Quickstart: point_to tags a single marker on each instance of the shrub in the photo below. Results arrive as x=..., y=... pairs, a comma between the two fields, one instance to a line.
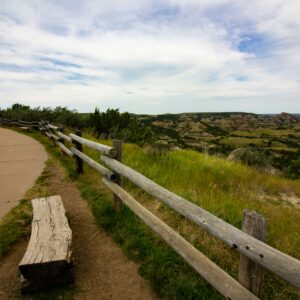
x=250, y=156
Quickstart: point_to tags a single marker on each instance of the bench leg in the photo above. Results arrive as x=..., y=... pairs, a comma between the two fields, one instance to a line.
x=63, y=276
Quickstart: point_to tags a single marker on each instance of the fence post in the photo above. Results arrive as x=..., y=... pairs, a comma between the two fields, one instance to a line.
x=45, y=128
x=61, y=140
x=52, y=138
x=117, y=144
x=251, y=273
x=79, y=162
x=62, y=130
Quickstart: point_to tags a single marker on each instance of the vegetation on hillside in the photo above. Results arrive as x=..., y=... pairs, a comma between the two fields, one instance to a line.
x=222, y=187
x=275, y=138
x=108, y=124
x=58, y=115
x=113, y=124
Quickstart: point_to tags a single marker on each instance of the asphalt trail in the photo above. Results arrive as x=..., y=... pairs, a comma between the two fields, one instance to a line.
x=22, y=160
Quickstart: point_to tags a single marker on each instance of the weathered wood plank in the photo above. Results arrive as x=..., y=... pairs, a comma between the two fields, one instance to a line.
x=251, y=273
x=101, y=169
x=54, y=137
x=65, y=149
x=25, y=122
x=52, y=127
x=219, y=279
x=51, y=232
x=117, y=144
x=278, y=262
x=102, y=148
x=78, y=160
x=63, y=136
x=47, y=260
x=25, y=128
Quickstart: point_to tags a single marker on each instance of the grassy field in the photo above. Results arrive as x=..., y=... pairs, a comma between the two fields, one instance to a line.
x=225, y=189
x=268, y=139
x=222, y=187
x=238, y=142
x=266, y=131
x=278, y=132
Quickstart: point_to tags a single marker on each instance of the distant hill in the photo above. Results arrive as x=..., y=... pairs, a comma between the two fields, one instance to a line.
x=221, y=133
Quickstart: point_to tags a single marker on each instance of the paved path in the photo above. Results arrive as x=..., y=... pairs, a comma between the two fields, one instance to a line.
x=21, y=162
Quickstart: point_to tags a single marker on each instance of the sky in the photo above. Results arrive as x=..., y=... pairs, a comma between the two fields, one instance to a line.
x=151, y=56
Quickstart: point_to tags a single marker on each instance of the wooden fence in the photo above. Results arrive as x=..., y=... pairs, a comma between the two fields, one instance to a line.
x=255, y=255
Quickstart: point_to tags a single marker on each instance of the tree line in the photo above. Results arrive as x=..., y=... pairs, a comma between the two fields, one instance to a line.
x=105, y=124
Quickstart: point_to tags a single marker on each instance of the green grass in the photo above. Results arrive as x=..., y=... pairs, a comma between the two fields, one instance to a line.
x=286, y=149
x=278, y=132
x=241, y=133
x=222, y=187
x=265, y=131
x=167, y=273
x=242, y=141
x=15, y=225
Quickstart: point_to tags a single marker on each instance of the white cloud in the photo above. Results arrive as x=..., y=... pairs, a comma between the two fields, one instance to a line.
x=143, y=56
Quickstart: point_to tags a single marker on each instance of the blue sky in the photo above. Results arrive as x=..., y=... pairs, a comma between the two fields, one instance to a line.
x=151, y=56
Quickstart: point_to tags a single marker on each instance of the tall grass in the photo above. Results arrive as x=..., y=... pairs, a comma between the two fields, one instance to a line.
x=225, y=189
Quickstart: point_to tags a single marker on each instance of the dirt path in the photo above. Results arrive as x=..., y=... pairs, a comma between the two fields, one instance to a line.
x=102, y=271
x=21, y=161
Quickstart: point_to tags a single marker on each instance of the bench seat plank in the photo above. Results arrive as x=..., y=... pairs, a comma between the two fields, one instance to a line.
x=48, y=255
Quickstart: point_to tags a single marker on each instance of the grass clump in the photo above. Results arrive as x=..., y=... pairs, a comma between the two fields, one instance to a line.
x=14, y=225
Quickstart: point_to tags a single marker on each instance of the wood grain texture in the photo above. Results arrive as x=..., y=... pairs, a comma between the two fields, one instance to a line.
x=117, y=144
x=48, y=255
x=251, y=273
x=110, y=151
x=78, y=160
x=277, y=262
x=219, y=279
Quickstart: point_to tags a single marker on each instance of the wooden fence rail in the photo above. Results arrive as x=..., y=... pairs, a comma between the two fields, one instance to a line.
x=65, y=149
x=279, y=263
x=104, y=171
x=253, y=251
x=64, y=137
x=110, y=151
x=225, y=284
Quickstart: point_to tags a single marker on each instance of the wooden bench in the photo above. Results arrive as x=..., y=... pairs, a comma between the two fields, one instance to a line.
x=47, y=261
